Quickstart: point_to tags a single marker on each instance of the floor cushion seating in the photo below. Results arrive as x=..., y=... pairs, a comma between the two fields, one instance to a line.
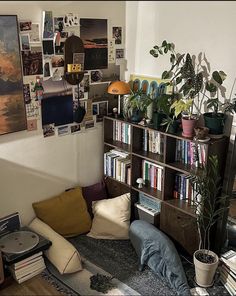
x=157, y=251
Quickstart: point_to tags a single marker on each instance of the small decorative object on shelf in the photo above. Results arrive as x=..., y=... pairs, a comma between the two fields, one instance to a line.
x=140, y=182
x=115, y=111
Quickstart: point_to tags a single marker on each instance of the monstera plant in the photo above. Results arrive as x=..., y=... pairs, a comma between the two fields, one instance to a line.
x=189, y=76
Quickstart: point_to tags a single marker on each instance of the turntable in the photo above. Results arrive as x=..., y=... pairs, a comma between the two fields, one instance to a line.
x=21, y=244
x=18, y=242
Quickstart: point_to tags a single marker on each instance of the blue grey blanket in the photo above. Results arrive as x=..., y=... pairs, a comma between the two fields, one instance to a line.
x=157, y=251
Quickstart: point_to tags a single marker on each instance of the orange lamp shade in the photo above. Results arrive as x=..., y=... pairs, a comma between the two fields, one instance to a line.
x=118, y=88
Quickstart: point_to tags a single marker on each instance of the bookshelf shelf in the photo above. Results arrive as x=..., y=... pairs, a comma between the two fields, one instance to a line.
x=163, y=160
x=118, y=144
x=122, y=183
x=154, y=193
x=183, y=206
x=159, y=159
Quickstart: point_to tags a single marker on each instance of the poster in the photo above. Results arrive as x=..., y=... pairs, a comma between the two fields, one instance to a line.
x=12, y=109
x=93, y=32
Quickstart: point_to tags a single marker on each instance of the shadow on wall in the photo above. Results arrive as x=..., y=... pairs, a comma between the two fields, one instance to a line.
x=21, y=186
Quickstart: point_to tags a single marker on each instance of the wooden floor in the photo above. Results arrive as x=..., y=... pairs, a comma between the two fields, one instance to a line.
x=34, y=286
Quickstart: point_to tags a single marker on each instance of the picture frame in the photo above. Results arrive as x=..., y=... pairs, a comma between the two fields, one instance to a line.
x=13, y=119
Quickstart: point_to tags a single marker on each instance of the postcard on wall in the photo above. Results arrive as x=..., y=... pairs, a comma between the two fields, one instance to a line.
x=47, y=67
x=34, y=33
x=75, y=128
x=93, y=32
x=117, y=34
x=25, y=26
x=32, y=109
x=85, y=83
x=95, y=76
x=32, y=63
x=12, y=107
x=24, y=42
x=48, y=130
x=89, y=124
x=48, y=47
x=120, y=53
x=63, y=130
x=58, y=23
x=32, y=124
x=26, y=90
x=57, y=61
x=59, y=49
x=48, y=32
x=57, y=73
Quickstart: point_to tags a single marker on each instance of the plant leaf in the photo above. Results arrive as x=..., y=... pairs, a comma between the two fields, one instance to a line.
x=216, y=76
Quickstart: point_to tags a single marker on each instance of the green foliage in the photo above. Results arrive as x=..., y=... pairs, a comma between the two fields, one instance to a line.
x=138, y=100
x=192, y=80
x=209, y=201
x=181, y=106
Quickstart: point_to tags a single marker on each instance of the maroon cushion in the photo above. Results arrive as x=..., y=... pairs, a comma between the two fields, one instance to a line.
x=94, y=192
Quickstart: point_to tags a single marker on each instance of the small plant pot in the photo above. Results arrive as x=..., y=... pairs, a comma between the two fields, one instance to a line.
x=136, y=116
x=188, y=127
x=173, y=127
x=215, y=123
x=205, y=272
x=157, y=119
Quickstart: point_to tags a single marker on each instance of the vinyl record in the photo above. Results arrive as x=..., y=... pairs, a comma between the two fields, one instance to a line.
x=18, y=242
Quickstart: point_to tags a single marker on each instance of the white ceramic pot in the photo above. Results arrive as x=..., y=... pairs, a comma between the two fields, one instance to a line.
x=205, y=272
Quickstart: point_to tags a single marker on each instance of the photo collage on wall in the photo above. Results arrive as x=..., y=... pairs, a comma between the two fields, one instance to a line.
x=42, y=51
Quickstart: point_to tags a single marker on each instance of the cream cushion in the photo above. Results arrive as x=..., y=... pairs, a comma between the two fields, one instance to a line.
x=111, y=218
x=62, y=254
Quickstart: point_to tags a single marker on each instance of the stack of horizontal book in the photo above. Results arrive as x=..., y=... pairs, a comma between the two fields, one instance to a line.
x=228, y=271
x=27, y=268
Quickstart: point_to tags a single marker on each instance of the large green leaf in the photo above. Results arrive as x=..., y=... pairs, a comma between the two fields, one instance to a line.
x=216, y=76
x=211, y=87
x=222, y=75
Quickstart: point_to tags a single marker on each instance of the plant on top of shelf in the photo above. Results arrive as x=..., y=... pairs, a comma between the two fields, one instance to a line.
x=135, y=107
x=210, y=205
x=215, y=120
x=190, y=79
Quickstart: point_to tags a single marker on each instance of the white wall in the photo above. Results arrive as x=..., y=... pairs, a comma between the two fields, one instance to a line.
x=193, y=26
x=32, y=167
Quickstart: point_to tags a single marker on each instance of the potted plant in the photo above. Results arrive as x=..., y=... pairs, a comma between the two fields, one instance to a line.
x=210, y=205
x=136, y=106
x=187, y=80
x=215, y=119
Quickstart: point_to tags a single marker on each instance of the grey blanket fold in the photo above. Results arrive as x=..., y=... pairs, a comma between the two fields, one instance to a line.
x=157, y=251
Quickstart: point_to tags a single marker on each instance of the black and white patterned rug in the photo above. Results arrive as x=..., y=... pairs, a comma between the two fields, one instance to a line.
x=111, y=268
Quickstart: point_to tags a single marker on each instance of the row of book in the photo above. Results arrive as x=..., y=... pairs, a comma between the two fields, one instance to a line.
x=121, y=132
x=191, y=153
x=152, y=174
x=117, y=164
x=153, y=141
x=183, y=189
x=27, y=268
x=228, y=271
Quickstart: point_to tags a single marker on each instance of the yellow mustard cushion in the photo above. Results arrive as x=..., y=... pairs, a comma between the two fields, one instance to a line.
x=66, y=213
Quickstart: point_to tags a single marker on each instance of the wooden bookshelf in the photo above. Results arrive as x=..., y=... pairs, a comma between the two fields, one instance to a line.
x=178, y=216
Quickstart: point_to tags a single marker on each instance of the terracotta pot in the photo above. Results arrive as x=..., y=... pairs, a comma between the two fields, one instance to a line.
x=188, y=127
x=205, y=272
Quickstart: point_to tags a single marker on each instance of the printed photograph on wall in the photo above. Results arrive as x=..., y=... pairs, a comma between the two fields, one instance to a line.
x=25, y=42
x=34, y=33
x=32, y=63
x=25, y=26
x=117, y=34
x=75, y=128
x=12, y=108
x=93, y=32
x=47, y=25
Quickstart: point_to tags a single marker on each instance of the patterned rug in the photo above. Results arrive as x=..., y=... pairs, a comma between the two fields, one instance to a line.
x=111, y=268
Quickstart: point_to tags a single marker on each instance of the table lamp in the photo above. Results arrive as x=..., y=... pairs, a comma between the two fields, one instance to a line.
x=119, y=88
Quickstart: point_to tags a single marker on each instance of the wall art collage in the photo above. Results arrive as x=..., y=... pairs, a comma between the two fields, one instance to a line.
x=37, y=94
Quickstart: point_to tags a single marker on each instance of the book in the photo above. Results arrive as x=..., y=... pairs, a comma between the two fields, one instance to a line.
x=27, y=260
x=27, y=269
x=29, y=276
x=228, y=282
x=229, y=258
